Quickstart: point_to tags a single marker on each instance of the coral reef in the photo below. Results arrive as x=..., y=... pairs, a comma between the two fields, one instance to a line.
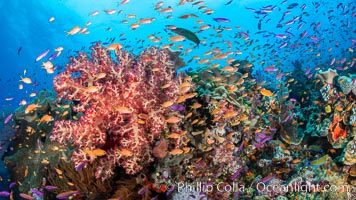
x=132, y=128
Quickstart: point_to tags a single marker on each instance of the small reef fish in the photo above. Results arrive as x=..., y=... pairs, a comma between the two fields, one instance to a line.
x=319, y=162
x=114, y=47
x=4, y=194
x=220, y=19
x=50, y=187
x=125, y=152
x=37, y=192
x=66, y=195
x=283, y=45
x=42, y=55
x=176, y=152
x=110, y=12
x=94, y=13
x=19, y=50
x=123, y=110
x=167, y=104
x=237, y=173
x=8, y=118
x=167, y=10
x=59, y=49
x=173, y=119
x=31, y=108
x=267, y=178
x=266, y=92
x=177, y=38
x=95, y=152
x=73, y=31
x=46, y=118
x=13, y=184
x=51, y=19
x=80, y=166
x=178, y=107
x=26, y=196
x=26, y=80
x=124, y=2
x=270, y=69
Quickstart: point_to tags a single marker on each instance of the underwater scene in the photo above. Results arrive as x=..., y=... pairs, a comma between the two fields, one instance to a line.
x=178, y=100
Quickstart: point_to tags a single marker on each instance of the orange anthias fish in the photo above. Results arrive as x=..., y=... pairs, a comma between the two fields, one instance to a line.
x=46, y=118
x=26, y=80
x=266, y=92
x=125, y=152
x=176, y=152
x=95, y=152
x=31, y=107
x=74, y=30
x=167, y=10
x=167, y=104
x=114, y=47
x=195, y=105
x=177, y=38
x=123, y=110
x=173, y=119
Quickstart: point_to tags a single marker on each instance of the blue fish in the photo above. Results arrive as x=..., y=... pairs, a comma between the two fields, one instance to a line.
x=220, y=19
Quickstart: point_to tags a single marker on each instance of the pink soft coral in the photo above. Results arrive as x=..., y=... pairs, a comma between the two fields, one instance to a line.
x=121, y=104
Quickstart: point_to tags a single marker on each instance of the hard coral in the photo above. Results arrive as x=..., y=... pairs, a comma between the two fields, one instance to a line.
x=327, y=76
x=347, y=84
x=121, y=103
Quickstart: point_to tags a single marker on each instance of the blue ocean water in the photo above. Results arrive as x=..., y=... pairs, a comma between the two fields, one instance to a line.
x=26, y=26
x=266, y=32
